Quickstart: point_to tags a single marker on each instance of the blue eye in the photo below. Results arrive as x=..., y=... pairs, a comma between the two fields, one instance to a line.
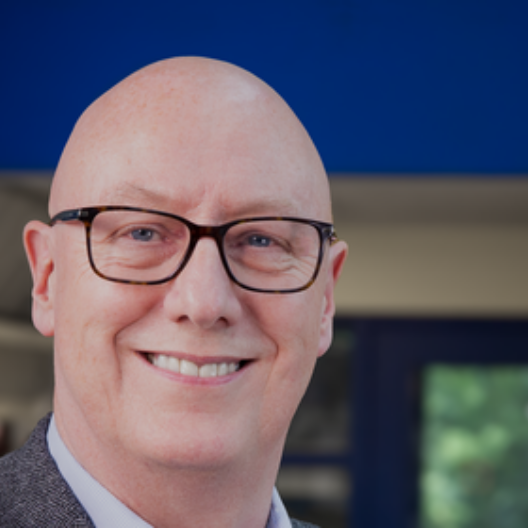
x=259, y=241
x=143, y=235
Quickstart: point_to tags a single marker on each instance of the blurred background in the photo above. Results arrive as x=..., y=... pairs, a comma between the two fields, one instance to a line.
x=418, y=416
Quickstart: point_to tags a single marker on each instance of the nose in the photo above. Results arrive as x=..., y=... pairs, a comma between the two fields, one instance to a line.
x=203, y=293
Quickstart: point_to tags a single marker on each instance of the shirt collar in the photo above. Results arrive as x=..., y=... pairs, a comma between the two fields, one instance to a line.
x=105, y=510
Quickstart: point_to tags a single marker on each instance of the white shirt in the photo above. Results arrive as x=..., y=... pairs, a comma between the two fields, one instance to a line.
x=105, y=510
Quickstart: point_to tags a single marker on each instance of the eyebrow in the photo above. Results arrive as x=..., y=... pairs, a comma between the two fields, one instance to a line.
x=273, y=206
x=131, y=191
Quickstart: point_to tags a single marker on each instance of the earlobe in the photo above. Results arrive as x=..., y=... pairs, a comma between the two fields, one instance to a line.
x=37, y=242
x=338, y=253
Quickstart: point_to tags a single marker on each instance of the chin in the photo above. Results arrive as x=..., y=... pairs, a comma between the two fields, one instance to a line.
x=201, y=448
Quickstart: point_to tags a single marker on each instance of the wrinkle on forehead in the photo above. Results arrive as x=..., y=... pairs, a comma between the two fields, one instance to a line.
x=200, y=108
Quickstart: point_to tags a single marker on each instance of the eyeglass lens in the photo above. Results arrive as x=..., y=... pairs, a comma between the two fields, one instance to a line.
x=148, y=247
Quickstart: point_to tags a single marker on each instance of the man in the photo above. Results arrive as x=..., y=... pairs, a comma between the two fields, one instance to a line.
x=181, y=351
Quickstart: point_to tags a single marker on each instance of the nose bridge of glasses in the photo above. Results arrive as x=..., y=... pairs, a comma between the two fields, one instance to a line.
x=203, y=231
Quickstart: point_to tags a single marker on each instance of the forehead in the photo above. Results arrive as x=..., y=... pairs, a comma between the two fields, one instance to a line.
x=227, y=202
x=240, y=154
x=212, y=194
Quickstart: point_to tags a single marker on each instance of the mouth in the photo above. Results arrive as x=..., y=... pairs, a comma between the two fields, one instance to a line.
x=184, y=367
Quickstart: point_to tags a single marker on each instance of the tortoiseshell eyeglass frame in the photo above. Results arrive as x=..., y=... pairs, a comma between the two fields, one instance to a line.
x=87, y=215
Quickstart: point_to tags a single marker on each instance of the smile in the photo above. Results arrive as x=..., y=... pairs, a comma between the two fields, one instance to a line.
x=188, y=368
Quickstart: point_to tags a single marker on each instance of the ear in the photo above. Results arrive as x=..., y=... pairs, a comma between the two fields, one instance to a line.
x=37, y=242
x=338, y=253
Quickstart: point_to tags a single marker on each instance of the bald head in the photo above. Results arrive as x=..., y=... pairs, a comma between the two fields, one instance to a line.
x=190, y=119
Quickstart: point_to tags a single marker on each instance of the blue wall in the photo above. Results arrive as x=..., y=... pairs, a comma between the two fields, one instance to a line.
x=382, y=85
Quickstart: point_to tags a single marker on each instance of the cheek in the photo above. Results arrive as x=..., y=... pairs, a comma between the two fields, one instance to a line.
x=82, y=299
x=294, y=321
x=85, y=301
x=293, y=325
x=86, y=332
x=89, y=365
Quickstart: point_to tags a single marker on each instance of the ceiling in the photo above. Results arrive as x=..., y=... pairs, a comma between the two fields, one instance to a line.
x=446, y=200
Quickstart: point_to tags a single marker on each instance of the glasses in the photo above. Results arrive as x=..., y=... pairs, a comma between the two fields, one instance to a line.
x=141, y=246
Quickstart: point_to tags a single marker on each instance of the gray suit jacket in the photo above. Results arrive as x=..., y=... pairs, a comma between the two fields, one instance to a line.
x=33, y=493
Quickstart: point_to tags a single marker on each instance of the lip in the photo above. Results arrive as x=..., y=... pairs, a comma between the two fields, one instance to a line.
x=199, y=361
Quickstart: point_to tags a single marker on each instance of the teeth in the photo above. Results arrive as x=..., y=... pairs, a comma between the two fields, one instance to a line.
x=173, y=364
x=188, y=368
x=164, y=362
x=208, y=371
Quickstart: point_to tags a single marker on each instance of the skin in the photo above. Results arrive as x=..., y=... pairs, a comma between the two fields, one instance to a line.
x=210, y=142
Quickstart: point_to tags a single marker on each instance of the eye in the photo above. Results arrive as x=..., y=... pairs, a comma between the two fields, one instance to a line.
x=142, y=234
x=259, y=241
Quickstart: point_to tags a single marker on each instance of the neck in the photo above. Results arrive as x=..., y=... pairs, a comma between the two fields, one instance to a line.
x=189, y=499
x=234, y=494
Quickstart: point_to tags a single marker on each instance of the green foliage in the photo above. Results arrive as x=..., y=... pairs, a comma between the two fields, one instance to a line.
x=475, y=448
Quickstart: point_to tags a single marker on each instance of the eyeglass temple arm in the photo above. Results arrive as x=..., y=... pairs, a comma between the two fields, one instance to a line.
x=66, y=216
